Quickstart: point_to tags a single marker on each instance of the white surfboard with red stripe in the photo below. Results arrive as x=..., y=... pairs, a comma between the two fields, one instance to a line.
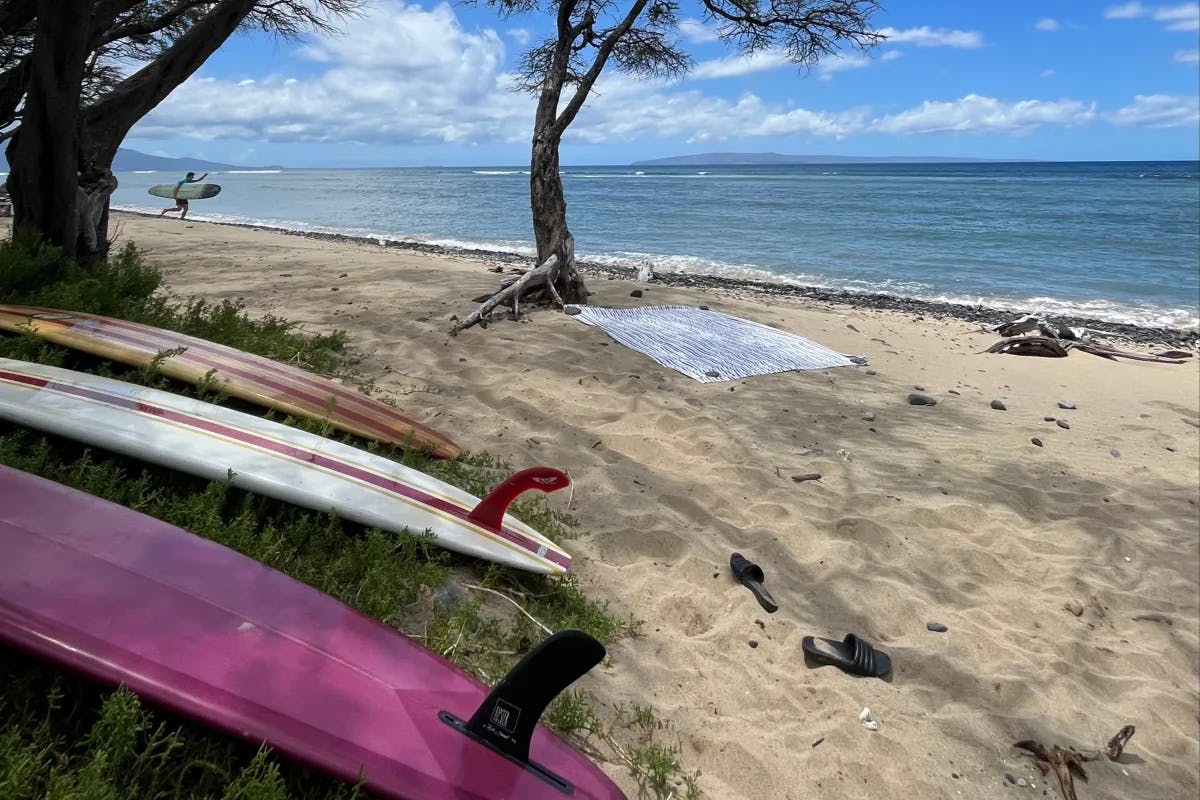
x=278, y=461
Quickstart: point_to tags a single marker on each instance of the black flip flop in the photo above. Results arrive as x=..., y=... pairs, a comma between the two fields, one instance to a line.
x=853, y=655
x=751, y=576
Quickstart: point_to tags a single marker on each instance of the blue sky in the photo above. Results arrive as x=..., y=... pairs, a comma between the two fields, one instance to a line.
x=411, y=84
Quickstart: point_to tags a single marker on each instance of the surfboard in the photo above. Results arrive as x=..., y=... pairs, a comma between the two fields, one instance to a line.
x=210, y=634
x=239, y=374
x=189, y=191
x=275, y=460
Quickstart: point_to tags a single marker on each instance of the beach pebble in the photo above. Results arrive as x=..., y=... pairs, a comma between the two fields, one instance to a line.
x=333, y=288
x=1062, y=423
x=1036, y=441
x=571, y=310
x=869, y=416
x=636, y=293
x=1022, y=782
x=954, y=391
x=704, y=308
x=921, y=400
x=851, y=327
x=1050, y=419
x=1074, y=607
x=919, y=388
x=344, y=275
x=872, y=372
x=712, y=373
x=864, y=717
x=999, y=406
x=1115, y=453
x=1169, y=449
x=810, y=476
x=1066, y=404
x=1008, y=777
x=752, y=643
x=449, y=596
x=936, y=627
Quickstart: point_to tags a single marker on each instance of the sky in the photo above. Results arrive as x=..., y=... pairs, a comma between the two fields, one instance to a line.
x=431, y=84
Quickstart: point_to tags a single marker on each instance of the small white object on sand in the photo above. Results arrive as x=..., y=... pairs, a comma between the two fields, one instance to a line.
x=864, y=717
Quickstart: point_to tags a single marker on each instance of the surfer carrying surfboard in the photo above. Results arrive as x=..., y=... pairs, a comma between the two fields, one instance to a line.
x=182, y=205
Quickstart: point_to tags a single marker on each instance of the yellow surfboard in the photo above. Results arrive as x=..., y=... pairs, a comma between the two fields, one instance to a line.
x=239, y=374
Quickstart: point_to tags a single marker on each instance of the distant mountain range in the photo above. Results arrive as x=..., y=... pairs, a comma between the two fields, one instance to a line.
x=130, y=160
x=726, y=159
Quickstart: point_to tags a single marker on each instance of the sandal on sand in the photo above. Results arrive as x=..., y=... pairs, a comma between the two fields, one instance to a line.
x=751, y=576
x=852, y=654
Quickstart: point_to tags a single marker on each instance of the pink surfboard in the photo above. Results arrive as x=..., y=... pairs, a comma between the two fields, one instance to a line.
x=213, y=635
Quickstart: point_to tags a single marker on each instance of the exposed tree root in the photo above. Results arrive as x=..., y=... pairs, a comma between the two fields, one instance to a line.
x=539, y=276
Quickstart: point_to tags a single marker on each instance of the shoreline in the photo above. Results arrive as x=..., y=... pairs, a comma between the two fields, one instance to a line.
x=940, y=310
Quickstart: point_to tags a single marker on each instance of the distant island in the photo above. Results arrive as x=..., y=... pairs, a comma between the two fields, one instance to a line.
x=131, y=160
x=727, y=159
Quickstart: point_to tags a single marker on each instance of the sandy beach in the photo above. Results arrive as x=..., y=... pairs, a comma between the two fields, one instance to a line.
x=1067, y=576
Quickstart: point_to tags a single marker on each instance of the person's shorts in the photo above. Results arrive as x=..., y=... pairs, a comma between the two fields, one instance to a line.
x=181, y=202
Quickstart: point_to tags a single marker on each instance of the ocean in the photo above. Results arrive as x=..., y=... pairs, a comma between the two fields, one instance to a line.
x=1116, y=241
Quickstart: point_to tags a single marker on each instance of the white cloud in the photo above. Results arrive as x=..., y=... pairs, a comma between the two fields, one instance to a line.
x=1158, y=111
x=733, y=66
x=400, y=74
x=1186, y=57
x=841, y=62
x=1047, y=73
x=405, y=75
x=1180, y=17
x=1047, y=24
x=521, y=36
x=927, y=37
x=977, y=113
x=693, y=30
x=1125, y=11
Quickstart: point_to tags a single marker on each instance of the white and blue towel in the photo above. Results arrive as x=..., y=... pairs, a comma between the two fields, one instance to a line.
x=710, y=346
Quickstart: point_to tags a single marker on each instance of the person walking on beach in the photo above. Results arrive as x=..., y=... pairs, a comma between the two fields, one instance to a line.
x=182, y=205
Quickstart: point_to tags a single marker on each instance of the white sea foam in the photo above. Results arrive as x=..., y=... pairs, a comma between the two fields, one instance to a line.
x=1141, y=314
x=253, y=171
x=498, y=172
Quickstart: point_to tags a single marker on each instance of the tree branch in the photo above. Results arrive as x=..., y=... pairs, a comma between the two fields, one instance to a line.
x=110, y=119
x=584, y=87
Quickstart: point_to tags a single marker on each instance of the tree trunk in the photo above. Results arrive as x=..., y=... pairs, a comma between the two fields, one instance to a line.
x=43, y=154
x=549, y=207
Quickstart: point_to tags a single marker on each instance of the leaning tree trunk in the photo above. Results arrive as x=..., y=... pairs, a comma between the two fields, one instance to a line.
x=549, y=207
x=43, y=155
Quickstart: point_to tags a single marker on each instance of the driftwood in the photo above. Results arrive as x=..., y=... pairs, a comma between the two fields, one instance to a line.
x=1056, y=341
x=1112, y=355
x=1031, y=346
x=535, y=277
x=1067, y=762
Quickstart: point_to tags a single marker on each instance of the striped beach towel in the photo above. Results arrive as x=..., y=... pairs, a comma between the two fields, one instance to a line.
x=710, y=346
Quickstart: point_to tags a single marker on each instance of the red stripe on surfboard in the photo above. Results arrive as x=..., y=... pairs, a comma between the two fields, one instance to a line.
x=290, y=451
x=347, y=413
x=250, y=360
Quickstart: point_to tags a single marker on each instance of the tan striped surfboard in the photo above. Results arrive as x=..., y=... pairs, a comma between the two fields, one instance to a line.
x=239, y=374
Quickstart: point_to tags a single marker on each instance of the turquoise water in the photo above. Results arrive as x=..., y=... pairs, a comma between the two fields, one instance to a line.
x=1113, y=240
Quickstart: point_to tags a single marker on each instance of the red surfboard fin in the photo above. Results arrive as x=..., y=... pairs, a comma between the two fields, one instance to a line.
x=491, y=509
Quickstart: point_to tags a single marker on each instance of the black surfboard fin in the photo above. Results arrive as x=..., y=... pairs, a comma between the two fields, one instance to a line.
x=506, y=719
